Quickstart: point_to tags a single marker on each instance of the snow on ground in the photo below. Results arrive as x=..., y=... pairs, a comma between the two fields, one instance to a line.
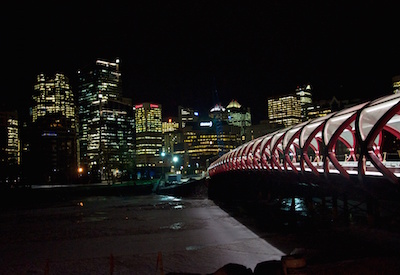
x=141, y=233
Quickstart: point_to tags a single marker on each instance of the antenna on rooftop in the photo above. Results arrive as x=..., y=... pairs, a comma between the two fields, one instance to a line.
x=218, y=120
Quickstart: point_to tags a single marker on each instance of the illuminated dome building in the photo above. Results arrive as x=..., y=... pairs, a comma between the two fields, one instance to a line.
x=234, y=104
x=218, y=112
x=238, y=115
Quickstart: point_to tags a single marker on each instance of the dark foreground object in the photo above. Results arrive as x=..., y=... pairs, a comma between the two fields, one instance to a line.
x=337, y=228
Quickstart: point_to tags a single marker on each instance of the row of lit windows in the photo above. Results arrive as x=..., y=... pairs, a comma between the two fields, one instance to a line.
x=53, y=95
x=149, y=145
x=148, y=138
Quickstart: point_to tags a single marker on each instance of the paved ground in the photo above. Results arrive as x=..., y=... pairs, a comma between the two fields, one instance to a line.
x=142, y=234
x=79, y=237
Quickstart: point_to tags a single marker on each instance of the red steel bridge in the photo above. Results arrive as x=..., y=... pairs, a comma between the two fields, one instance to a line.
x=359, y=146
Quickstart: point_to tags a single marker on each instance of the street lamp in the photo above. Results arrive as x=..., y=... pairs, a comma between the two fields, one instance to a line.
x=175, y=159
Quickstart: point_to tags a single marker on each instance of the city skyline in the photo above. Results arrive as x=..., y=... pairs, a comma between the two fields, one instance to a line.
x=179, y=53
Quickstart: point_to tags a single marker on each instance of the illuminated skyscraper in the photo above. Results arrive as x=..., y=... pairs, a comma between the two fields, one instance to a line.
x=285, y=110
x=9, y=147
x=202, y=144
x=396, y=84
x=238, y=116
x=304, y=94
x=148, y=117
x=187, y=115
x=106, y=129
x=52, y=156
x=53, y=96
x=170, y=125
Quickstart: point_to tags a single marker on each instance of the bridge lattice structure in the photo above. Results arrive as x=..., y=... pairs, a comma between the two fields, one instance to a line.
x=359, y=143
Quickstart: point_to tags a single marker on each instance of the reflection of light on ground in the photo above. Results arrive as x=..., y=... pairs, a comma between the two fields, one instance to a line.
x=169, y=198
x=175, y=226
x=299, y=205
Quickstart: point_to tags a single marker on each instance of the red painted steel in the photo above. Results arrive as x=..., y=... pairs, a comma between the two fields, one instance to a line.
x=301, y=149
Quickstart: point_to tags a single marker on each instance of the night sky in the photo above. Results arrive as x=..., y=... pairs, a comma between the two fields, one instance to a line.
x=177, y=52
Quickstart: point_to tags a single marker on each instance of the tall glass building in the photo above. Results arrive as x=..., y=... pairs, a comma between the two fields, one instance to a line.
x=284, y=110
x=238, y=116
x=51, y=156
x=148, y=118
x=106, y=129
x=10, y=152
x=187, y=115
x=53, y=95
x=305, y=96
x=396, y=84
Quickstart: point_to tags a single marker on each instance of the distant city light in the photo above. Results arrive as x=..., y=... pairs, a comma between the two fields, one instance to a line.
x=196, y=113
x=49, y=134
x=206, y=124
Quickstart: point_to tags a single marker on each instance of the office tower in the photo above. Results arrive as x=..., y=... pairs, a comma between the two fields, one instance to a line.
x=396, y=84
x=187, y=115
x=171, y=135
x=170, y=125
x=53, y=96
x=9, y=148
x=148, y=117
x=106, y=128
x=304, y=95
x=52, y=156
x=218, y=112
x=284, y=110
x=202, y=144
x=238, y=116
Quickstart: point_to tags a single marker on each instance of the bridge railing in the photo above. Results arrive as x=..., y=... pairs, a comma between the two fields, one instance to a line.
x=354, y=142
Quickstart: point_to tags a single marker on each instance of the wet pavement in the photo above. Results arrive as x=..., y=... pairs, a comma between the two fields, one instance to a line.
x=131, y=235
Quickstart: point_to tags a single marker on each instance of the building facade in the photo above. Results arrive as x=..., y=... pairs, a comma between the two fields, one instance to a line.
x=201, y=144
x=305, y=97
x=53, y=95
x=10, y=149
x=396, y=84
x=187, y=115
x=284, y=110
x=52, y=155
x=239, y=116
x=106, y=128
x=170, y=125
x=148, y=117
